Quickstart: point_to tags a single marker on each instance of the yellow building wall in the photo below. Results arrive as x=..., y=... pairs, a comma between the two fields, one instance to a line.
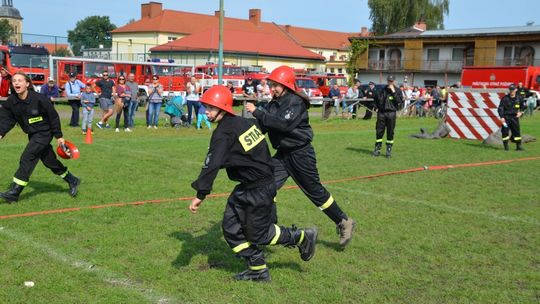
x=485, y=52
x=412, y=57
x=131, y=46
x=17, y=26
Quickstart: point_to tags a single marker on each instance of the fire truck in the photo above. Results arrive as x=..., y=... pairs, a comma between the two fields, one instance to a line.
x=309, y=87
x=501, y=76
x=172, y=77
x=208, y=76
x=325, y=82
x=32, y=60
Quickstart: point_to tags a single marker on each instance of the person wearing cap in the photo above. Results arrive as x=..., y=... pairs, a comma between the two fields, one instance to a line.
x=248, y=89
x=73, y=89
x=36, y=116
x=238, y=145
x=50, y=90
x=286, y=121
x=387, y=102
x=510, y=110
x=370, y=93
x=5, y=82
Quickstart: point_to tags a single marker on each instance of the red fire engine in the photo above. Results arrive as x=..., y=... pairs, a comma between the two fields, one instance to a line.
x=32, y=60
x=308, y=87
x=501, y=77
x=173, y=77
x=325, y=82
x=208, y=75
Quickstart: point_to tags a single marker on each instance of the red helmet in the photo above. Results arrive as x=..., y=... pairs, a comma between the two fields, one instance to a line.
x=68, y=150
x=284, y=75
x=220, y=97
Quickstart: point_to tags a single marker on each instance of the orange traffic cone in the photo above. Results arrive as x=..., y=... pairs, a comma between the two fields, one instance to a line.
x=88, y=139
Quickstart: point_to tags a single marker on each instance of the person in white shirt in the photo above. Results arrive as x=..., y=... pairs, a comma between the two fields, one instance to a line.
x=263, y=90
x=193, y=91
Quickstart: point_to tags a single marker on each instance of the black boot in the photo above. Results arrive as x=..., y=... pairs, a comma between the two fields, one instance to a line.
x=505, y=144
x=262, y=275
x=12, y=195
x=519, y=147
x=306, y=245
x=377, y=150
x=388, y=150
x=73, y=182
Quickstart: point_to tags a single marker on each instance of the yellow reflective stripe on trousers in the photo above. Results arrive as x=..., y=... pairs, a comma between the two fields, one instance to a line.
x=327, y=204
x=506, y=138
x=276, y=236
x=301, y=237
x=240, y=247
x=389, y=141
x=259, y=267
x=64, y=174
x=379, y=140
x=20, y=182
x=517, y=138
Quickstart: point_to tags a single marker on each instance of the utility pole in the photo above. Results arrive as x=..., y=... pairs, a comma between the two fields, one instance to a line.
x=220, y=47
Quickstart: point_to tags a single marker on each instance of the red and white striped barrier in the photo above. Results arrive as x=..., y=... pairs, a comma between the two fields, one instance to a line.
x=473, y=114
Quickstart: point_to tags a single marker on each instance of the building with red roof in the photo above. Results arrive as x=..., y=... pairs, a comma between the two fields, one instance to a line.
x=192, y=38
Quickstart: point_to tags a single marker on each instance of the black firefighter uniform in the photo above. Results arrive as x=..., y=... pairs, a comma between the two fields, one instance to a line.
x=508, y=109
x=239, y=146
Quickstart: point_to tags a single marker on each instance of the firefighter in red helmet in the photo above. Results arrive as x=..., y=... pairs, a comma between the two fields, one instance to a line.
x=37, y=118
x=285, y=118
x=238, y=145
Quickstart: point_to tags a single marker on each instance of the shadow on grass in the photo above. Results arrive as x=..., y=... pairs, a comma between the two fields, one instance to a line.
x=332, y=245
x=360, y=150
x=482, y=146
x=219, y=254
x=37, y=188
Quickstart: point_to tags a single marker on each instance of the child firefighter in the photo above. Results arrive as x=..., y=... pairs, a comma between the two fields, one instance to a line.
x=37, y=118
x=239, y=146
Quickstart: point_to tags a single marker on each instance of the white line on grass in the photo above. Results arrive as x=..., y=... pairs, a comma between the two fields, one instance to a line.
x=104, y=274
x=492, y=215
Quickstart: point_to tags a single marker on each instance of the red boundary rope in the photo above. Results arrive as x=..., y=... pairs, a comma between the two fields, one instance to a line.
x=157, y=201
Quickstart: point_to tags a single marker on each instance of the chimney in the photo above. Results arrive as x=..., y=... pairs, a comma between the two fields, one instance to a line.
x=421, y=25
x=151, y=9
x=216, y=13
x=287, y=28
x=364, y=32
x=255, y=15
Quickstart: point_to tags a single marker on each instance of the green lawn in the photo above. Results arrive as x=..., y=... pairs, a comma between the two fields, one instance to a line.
x=464, y=235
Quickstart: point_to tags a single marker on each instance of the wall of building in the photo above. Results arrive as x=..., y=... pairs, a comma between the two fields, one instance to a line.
x=412, y=79
x=18, y=28
x=133, y=46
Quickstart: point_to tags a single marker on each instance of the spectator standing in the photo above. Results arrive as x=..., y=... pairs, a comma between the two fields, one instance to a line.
x=88, y=101
x=155, y=98
x=360, y=94
x=73, y=89
x=193, y=91
x=50, y=90
x=108, y=90
x=531, y=103
x=352, y=93
x=134, y=102
x=370, y=93
x=263, y=90
x=122, y=104
x=201, y=116
x=248, y=89
x=5, y=82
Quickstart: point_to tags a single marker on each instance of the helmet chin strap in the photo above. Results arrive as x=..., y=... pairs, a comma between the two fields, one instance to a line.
x=218, y=113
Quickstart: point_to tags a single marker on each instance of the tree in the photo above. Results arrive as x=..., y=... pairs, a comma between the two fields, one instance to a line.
x=6, y=31
x=90, y=33
x=390, y=16
x=62, y=52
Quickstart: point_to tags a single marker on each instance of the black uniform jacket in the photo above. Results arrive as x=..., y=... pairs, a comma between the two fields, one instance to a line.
x=510, y=106
x=35, y=115
x=239, y=146
x=386, y=101
x=286, y=121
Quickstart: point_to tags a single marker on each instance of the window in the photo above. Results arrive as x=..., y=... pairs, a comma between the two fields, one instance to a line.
x=331, y=70
x=433, y=54
x=457, y=54
x=171, y=38
x=340, y=70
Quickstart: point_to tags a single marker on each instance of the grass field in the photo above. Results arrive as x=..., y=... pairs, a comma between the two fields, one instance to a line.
x=464, y=235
